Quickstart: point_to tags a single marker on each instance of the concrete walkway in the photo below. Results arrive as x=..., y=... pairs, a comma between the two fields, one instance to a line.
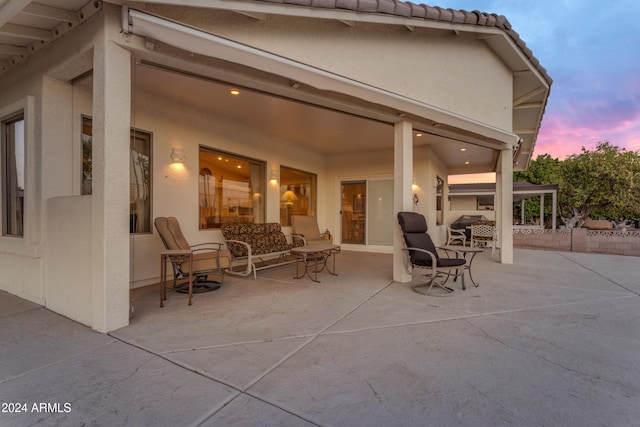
x=552, y=340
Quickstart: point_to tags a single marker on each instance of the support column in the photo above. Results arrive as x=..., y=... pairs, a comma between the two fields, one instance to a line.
x=554, y=202
x=504, y=216
x=110, y=199
x=403, y=200
x=542, y=209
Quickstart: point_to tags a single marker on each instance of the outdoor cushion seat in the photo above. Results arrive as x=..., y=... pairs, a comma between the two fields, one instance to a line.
x=208, y=258
x=256, y=246
x=306, y=228
x=422, y=258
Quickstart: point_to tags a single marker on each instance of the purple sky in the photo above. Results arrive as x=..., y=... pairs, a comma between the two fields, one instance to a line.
x=591, y=50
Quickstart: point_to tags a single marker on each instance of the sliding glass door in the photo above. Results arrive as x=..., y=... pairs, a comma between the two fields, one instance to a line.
x=367, y=212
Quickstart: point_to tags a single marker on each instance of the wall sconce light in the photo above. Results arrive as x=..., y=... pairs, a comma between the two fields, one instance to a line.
x=274, y=176
x=177, y=156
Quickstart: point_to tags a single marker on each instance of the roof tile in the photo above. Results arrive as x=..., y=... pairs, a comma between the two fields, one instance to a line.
x=298, y=2
x=445, y=14
x=402, y=8
x=482, y=17
x=367, y=6
x=347, y=4
x=386, y=6
x=418, y=11
x=458, y=17
x=433, y=13
x=327, y=4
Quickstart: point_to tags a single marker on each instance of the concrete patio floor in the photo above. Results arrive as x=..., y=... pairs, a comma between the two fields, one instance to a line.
x=552, y=340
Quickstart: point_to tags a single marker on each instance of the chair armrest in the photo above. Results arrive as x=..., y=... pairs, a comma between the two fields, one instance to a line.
x=434, y=259
x=209, y=246
x=450, y=249
x=248, y=246
x=295, y=237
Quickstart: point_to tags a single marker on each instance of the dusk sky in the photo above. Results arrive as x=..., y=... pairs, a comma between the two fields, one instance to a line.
x=591, y=50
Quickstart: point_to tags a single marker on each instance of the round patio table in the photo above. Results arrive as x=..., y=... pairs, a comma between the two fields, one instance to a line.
x=315, y=257
x=464, y=250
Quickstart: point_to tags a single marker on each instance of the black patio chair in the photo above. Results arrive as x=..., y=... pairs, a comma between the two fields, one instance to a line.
x=422, y=259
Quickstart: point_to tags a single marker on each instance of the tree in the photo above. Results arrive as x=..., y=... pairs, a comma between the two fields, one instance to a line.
x=544, y=169
x=603, y=182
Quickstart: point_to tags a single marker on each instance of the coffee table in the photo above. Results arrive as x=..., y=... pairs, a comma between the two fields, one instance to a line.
x=315, y=259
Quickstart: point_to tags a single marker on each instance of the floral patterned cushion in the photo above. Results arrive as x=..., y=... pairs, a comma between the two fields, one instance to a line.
x=263, y=238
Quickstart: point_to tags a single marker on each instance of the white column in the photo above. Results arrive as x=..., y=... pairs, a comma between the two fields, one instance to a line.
x=505, y=219
x=542, y=209
x=554, y=201
x=110, y=199
x=523, y=217
x=403, y=200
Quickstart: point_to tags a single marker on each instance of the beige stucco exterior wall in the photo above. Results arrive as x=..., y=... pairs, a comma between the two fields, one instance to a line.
x=35, y=267
x=455, y=72
x=176, y=125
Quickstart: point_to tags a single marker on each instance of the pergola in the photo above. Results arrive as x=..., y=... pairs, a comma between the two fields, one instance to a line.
x=521, y=192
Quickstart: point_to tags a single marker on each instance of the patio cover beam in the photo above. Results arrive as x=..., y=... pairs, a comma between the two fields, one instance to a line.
x=203, y=43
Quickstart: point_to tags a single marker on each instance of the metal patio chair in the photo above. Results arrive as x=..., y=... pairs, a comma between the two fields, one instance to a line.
x=422, y=259
x=208, y=258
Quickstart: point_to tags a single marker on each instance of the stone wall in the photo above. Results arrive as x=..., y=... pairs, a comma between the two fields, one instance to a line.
x=614, y=242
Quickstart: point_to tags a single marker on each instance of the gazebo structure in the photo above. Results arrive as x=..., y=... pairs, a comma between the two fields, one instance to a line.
x=483, y=196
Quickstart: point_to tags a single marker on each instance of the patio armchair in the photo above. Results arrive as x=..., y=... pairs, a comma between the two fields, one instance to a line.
x=456, y=236
x=305, y=227
x=422, y=258
x=208, y=258
x=484, y=233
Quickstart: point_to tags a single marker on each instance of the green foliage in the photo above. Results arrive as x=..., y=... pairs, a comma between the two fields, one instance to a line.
x=543, y=170
x=604, y=182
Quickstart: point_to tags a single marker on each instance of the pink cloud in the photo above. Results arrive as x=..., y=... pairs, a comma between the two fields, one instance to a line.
x=560, y=136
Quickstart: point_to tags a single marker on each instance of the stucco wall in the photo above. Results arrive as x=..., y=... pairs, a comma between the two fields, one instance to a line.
x=69, y=250
x=176, y=125
x=462, y=74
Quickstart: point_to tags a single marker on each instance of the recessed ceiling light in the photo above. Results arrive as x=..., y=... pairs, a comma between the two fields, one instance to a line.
x=467, y=162
x=418, y=135
x=463, y=149
x=234, y=91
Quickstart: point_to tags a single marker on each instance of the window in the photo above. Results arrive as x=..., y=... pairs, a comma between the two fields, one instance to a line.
x=140, y=173
x=13, y=180
x=297, y=194
x=231, y=189
x=86, y=136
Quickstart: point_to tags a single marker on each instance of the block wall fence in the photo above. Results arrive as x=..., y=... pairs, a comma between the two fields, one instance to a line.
x=613, y=242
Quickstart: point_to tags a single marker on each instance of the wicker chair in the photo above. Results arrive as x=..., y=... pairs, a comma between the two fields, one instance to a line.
x=484, y=233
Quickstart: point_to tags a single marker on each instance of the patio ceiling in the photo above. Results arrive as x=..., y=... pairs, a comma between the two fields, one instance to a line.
x=324, y=130
x=26, y=26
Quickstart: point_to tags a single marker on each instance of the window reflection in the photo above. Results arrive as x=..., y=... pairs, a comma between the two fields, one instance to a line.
x=297, y=194
x=13, y=182
x=230, y=189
